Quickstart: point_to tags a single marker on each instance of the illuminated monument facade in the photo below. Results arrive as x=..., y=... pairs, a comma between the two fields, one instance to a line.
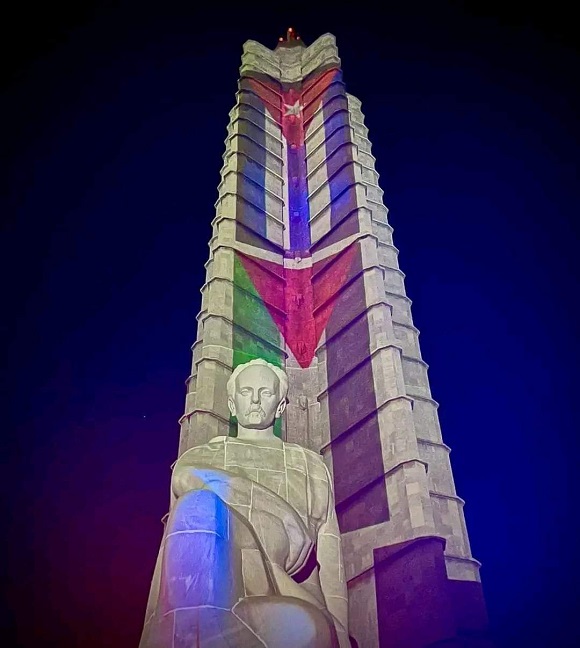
x=313, y=498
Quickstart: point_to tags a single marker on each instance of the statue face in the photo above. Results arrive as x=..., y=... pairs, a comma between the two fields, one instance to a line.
x=256, y=401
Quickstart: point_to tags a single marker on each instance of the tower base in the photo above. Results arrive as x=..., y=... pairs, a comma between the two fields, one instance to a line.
x=418, y=606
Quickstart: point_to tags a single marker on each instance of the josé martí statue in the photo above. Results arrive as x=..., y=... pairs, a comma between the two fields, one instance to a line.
x=251, y=555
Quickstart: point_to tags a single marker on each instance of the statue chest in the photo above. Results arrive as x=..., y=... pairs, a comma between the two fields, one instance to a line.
x=286, y=470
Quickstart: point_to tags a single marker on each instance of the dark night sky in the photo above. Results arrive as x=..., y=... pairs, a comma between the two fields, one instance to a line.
x=114, y=118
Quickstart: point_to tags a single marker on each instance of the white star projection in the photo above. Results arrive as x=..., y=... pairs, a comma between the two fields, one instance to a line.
x=294, y=109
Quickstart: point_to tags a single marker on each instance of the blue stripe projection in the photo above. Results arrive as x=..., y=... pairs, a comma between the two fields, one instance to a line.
x=298, y=199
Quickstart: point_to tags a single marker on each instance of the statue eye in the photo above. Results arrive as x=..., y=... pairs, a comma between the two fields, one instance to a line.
x=244, y=391
x=266, y=392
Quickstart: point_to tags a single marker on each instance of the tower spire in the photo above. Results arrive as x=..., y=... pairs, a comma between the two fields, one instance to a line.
x=292, y=39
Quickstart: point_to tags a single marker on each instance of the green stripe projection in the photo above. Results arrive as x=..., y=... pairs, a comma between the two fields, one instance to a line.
x=255, y=335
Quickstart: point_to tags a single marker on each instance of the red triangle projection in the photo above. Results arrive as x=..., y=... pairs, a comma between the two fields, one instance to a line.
x=300, y=315
x=278, y=102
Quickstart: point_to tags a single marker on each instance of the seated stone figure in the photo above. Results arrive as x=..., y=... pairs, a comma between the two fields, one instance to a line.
x=251, y=556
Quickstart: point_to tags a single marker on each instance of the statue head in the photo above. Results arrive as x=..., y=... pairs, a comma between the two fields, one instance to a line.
x=257, y=394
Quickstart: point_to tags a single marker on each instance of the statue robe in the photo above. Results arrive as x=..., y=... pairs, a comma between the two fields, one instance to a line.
x=276, y=499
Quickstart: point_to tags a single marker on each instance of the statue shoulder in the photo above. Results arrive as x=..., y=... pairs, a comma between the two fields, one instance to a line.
x=316, y=457
x=315, y=463
x=214, y=442
x=219, y=440
x=206, y=452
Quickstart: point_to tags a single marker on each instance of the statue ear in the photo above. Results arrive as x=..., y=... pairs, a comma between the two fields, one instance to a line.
x=280, y=409
x=232, y=406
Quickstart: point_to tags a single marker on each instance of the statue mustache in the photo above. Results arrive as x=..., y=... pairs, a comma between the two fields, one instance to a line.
x=253, y=410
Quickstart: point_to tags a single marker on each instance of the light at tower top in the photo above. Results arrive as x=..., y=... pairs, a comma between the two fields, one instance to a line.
x=292, y=39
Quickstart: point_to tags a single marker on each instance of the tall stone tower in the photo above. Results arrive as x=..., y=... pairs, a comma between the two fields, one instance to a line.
x=303, y=272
